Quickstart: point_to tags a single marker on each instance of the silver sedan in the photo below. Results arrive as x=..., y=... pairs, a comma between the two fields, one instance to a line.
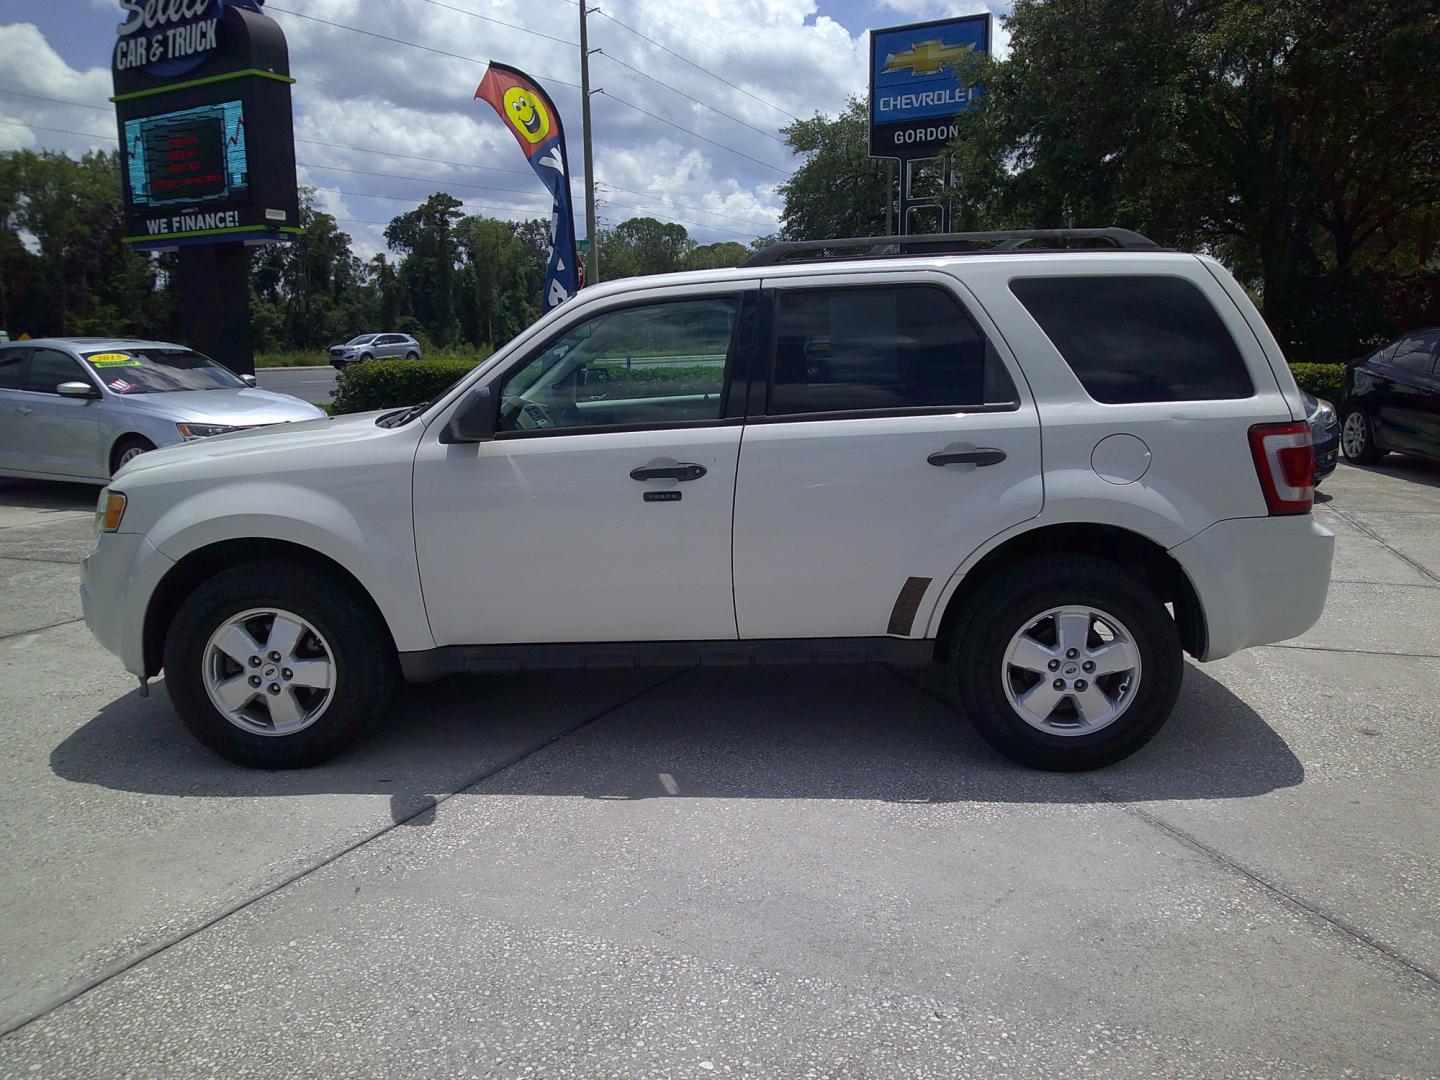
x=79, y=408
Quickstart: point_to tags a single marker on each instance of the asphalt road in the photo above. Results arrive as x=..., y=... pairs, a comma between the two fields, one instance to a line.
x=731, y=872
x=310, y=384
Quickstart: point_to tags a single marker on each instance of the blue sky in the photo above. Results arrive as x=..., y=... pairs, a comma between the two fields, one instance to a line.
x=771, y=60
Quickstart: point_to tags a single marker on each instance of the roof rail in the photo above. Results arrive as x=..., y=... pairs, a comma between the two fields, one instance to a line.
x=966, y=243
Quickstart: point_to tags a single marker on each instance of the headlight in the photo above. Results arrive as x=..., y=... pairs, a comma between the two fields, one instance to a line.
x=109, y=511
x=201, y=431
x=1324, y=413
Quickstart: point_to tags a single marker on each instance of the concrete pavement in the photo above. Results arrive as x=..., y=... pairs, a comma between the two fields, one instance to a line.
x=735, y=872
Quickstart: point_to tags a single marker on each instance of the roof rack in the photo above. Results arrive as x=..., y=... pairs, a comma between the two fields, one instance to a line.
x=965, y=243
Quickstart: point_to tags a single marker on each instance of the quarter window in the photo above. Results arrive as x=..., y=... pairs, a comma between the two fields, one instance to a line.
x=662, y=363
x=12, y=369
x=1416, y=351
x=880, y=348
x=1136, y=338
x=49, y=368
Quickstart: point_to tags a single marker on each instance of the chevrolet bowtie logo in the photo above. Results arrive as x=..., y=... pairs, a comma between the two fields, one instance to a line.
x=926, y=57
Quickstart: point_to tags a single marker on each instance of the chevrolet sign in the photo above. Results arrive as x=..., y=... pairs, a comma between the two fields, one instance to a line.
x=921, y=79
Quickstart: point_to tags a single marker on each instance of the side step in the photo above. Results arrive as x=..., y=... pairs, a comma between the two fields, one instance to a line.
x=430, y=664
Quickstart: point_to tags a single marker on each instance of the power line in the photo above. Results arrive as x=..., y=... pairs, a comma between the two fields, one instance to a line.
x=697, y=101
x=561, y=82
x=497, y=22
x=55, y=101
x=652, y=196
x=764, y=76
x=417, y=179
x=401, y=41
x=695, y=134
x=411, y=198
x=697, y=67
x=63, y=131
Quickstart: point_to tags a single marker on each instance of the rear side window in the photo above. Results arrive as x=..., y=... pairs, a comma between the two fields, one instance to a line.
x=12, y=369
x=877, y=348
x=1135, y=338
x=1416, y=351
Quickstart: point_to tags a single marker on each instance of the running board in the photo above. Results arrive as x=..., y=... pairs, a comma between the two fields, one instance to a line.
x=430, y=664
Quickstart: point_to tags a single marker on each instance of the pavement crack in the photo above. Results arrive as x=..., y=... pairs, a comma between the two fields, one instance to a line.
x=427, y=807
x=1355, y=652
x=1286, y=896
x=1266, y=885
x=1373, y=535
x=37, y=629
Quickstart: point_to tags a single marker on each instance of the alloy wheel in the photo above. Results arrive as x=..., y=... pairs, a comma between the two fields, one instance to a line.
x=269, y=672
x=1071, y=670
x=1353, y=435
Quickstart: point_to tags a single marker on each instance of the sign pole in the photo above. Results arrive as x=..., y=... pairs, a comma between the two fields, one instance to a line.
x=592, y=256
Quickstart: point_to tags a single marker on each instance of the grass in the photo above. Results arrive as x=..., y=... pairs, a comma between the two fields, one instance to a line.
x=321, y=358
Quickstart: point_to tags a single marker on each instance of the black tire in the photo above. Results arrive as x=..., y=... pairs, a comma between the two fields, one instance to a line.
x=1366, y=452
x=126, y=448
x=412, y=355
x=1012, y=599
x=365, y=664
x=367, y=356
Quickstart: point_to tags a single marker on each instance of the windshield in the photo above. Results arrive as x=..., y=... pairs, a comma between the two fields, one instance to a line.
x=361, y=340
x=151, y=370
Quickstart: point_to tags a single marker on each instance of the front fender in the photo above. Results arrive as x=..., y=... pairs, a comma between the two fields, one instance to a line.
x=381, y=555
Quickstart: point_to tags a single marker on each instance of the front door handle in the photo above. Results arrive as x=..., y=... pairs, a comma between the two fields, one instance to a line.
x=23, y=410
x=683, y=471
x=985, y=455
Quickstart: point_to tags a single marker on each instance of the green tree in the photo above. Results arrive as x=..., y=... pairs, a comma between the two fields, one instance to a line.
x=429, y=269
x=714, y=256
x=1298, y=141
x=838, y=190
x=643, y=245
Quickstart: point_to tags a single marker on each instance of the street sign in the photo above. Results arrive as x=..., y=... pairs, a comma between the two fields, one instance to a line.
x=583, y=244
x=920, y=82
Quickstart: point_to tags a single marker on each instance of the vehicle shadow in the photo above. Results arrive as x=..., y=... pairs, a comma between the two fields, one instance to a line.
x=1416, y=470
x=47, y=494
x=869, y=733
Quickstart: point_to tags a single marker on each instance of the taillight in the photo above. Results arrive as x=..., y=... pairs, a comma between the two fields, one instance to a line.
x=1285, y=463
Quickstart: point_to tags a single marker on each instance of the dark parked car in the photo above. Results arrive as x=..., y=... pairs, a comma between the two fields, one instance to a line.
x=1392, y=400
x=374, y=347
x=1324, y=433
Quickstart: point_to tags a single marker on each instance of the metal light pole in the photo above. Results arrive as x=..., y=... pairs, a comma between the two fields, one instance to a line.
x=592, y=257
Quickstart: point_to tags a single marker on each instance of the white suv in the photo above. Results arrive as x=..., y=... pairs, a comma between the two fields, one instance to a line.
x=1051, y=467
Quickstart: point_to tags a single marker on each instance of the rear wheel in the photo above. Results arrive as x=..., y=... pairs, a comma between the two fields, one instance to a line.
x=412, y=355
x=1067, y=662
x=127, y=450
x=1357, y=439
x=277, y=666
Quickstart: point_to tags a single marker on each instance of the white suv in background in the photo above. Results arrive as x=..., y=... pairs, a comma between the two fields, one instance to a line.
x=1052, y=467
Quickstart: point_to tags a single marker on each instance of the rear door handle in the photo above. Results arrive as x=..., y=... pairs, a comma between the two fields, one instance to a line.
x=985, y=455
x=683, y=471
x=23, y=410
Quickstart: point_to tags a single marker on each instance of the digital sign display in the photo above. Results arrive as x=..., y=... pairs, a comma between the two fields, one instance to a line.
x=920, y=81
x=195, y=156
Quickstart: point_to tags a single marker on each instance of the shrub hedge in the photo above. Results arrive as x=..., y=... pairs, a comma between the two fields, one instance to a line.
x=1322, y=380
x=382, y=384
x=390, y=384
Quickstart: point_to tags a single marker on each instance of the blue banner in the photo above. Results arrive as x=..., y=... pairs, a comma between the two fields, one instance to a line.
x=535, y=122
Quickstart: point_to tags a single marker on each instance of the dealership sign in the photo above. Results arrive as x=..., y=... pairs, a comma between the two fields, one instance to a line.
x=170, y=37
x=920, y=82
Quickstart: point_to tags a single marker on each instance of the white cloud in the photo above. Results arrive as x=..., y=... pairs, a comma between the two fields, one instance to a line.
x=414, y=114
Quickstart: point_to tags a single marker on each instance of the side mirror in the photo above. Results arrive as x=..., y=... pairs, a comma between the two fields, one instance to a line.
x=77, y=389
x=248, y=380
x=473, y=421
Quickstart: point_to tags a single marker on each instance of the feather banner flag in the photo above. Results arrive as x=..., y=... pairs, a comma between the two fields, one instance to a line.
x=530, y=114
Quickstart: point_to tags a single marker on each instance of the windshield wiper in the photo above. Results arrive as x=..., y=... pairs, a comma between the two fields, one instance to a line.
x=404, y=416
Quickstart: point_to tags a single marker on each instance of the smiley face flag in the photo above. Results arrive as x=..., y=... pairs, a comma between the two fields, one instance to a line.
x=531, y=116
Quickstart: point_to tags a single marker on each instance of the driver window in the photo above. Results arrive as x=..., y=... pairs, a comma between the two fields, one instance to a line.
x=659, y=363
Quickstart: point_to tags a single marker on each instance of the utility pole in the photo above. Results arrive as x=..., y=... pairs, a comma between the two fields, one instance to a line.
x=592, y=257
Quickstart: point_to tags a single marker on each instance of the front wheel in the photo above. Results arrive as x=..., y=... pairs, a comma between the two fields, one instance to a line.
x=277, y=665
x=1067, y=662
x=127, y=450
x=367, y=356
x=1357, y=439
